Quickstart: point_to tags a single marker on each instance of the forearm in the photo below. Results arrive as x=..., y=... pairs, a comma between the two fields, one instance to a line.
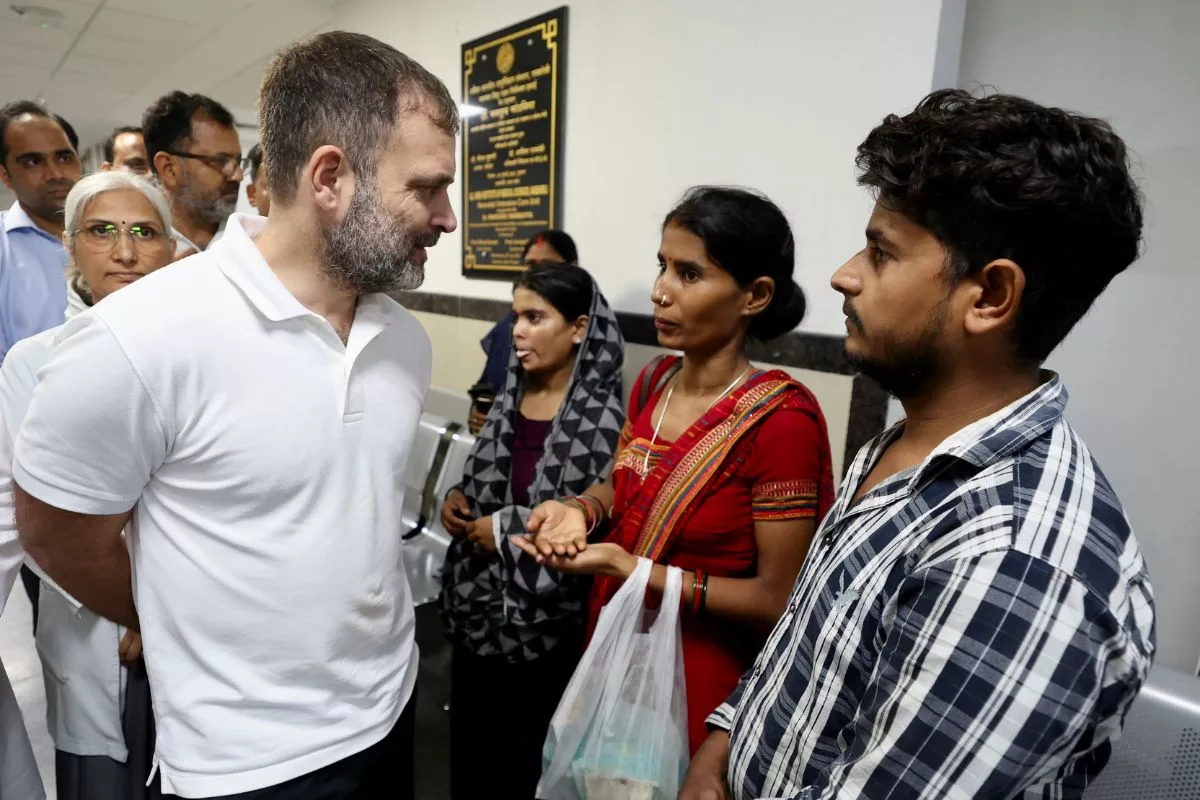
x=85, y=555
x=99, y=577
x=604, y=493
x=749, y=600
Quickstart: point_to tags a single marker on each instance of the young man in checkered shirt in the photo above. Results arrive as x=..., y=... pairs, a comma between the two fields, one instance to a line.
x=975, y=616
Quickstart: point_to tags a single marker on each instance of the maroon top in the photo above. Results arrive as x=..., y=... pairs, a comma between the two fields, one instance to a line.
x=529, y=441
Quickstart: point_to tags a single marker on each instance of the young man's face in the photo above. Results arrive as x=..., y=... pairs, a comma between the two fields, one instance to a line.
x=898, y=304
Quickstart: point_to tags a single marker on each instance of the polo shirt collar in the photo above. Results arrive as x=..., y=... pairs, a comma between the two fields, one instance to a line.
x=243, y=264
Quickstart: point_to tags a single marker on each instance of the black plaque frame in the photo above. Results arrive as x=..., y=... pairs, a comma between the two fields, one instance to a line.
x=486, y=252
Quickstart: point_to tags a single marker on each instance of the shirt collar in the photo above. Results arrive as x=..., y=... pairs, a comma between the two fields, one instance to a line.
x=16, y=218
x=242, y=263
x=981, y=443
x=1011, y=428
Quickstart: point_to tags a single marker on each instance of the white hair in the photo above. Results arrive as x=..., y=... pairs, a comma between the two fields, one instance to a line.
x=88, y=189
x=91, y=186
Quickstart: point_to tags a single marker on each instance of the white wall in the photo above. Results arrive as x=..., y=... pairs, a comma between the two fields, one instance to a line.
x=1131, y=366
x=663, y=94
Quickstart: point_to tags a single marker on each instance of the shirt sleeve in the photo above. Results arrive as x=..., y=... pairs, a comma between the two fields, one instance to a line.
x=5, y=305
x=18, y=377
x=93, y=434
x=786, y=465
x=993, y=670
x=722, y=718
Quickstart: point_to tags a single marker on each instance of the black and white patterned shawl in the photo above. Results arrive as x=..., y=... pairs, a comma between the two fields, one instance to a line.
x=504, y=603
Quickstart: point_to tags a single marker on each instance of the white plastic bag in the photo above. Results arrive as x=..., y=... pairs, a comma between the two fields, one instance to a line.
x=620, y=731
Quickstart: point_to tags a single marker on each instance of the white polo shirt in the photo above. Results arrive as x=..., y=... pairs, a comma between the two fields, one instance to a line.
x=266, y=461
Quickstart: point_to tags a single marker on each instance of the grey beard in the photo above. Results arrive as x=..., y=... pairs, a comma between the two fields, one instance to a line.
x=204, y=210
x=368, y=251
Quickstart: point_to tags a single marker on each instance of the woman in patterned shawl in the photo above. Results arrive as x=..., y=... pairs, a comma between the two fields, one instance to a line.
x=723, y=469
x=517, y=627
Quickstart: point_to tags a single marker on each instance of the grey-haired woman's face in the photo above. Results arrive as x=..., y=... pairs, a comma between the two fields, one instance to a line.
x=118, y=239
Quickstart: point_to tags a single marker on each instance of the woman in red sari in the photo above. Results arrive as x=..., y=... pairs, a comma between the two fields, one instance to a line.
x=722, y=470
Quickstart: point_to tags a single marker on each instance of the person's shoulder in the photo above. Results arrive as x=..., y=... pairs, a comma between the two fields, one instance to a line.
x=164, y=294
x=32, y=350
x=26, y=357
x=652, y=374
x=404, y=326
x=399, y=316
x=1066, y=511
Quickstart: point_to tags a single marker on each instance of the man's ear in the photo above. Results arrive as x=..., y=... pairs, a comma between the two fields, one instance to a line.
x=995, y=296
x=330, y=178
x=164, y=168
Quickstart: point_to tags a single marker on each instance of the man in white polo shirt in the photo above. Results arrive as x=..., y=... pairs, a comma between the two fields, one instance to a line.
x=252, y=408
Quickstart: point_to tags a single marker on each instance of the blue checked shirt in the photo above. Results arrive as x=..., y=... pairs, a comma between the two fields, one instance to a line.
x=973, y=627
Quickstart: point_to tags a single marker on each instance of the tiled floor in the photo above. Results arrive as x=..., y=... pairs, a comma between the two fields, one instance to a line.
x=25, y=671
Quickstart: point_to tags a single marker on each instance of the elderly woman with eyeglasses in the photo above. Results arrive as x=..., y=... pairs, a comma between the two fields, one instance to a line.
x=118, y=229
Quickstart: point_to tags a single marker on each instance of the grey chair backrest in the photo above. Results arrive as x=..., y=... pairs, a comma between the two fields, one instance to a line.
x=1158, y=755
x=435, y=465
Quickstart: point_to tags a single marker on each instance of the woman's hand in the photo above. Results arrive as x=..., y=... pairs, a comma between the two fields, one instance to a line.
x=130, y=648
x=605, y=558
x=482, y=534
x=456, y=513
x=558, y=529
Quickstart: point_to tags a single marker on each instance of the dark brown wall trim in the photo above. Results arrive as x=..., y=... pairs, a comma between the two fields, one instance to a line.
x=816, y=351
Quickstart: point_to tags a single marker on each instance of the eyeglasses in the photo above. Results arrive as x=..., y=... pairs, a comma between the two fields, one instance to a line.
x=223, y=163
x=104, y=236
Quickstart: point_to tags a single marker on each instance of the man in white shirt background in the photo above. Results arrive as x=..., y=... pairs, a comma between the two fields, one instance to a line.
x=256, y=435
x=195, y=153
x=256, y=190
x=125, y=148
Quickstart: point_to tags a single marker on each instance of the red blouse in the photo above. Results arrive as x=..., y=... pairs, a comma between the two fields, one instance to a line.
x=780, y=471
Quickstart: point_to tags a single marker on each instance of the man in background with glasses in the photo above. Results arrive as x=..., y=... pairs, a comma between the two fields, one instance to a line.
x=197, y=157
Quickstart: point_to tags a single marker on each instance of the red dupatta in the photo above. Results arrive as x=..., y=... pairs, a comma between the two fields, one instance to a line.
x=699, y=459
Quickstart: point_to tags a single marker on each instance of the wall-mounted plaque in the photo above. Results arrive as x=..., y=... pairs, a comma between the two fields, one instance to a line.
x=512, y=142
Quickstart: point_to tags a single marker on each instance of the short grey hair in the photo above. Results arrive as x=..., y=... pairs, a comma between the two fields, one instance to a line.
x=88, y=189
x=343, y=89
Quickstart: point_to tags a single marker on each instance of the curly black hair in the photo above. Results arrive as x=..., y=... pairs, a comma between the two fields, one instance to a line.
x=1002, y=177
